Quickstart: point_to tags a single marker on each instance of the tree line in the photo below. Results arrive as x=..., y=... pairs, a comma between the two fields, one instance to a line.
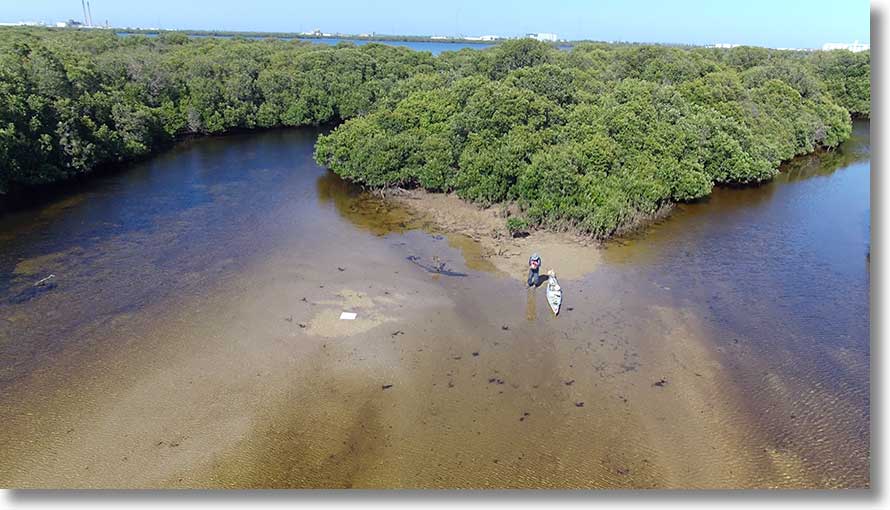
x=71, y=101
x=593, y=139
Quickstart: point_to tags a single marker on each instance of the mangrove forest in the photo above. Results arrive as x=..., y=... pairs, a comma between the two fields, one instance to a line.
x=594, y=139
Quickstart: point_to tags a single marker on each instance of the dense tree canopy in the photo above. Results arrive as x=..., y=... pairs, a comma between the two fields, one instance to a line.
x=73, y=100
x=593, y=139
x=601, y=137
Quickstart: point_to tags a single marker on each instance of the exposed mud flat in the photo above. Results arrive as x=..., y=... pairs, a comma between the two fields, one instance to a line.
x=571, y=255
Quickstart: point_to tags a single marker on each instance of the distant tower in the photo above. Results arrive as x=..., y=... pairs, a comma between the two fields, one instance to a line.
x=83, y=5
x=89, y=14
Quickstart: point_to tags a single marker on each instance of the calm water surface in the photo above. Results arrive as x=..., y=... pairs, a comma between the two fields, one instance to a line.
x=781, y=272
x=431, y=46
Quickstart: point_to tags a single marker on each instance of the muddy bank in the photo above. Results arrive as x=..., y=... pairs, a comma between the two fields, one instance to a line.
x=571, y=256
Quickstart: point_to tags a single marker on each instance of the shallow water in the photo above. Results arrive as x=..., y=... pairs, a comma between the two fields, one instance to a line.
x=781, y=274
x=189, y=337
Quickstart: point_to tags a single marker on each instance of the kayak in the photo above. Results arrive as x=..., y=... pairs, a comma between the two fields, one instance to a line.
x=554, y=293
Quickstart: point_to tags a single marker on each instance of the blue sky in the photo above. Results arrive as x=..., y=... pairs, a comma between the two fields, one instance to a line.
x=774, y=23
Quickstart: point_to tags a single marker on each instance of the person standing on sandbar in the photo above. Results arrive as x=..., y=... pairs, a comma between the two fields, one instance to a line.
x=534, y=265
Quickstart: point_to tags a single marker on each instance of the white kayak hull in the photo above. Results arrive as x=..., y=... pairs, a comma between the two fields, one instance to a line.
x=554, y=294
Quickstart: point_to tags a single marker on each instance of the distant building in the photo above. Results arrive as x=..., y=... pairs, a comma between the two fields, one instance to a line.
x=854, y=46
x=543, y=36
x=70, y=24
x=729, y=45
x=482, y=38
x=22, y=24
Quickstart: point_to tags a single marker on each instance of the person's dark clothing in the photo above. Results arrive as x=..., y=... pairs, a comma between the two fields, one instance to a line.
x=532, y=277
x=534, y=265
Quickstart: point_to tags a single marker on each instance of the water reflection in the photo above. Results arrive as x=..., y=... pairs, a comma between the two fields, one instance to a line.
x=362, y=209
x=531, y=306
x=780, y=272
x=370, y=212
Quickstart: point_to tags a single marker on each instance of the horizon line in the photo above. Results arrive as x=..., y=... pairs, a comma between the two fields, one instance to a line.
x=383, y=36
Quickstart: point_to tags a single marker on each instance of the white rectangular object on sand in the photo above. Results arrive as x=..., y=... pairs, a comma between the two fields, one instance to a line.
x=348, y=316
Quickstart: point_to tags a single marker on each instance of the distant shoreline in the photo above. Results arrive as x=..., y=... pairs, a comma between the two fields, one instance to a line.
x=298, y=35
x=348, y=37
x=563, y=43
x=381, y=37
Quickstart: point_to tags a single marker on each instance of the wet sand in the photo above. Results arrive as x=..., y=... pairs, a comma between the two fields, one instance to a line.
x=573, y=256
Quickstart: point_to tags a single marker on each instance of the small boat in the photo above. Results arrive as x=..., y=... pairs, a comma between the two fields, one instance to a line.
x=554, y=292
